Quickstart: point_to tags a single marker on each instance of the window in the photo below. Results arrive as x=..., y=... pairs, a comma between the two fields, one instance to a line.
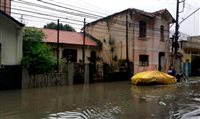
x=142, y=29
x=162, y=33
x=70, y=55
x=3, y=5
x=144, y=60
x=54, y=52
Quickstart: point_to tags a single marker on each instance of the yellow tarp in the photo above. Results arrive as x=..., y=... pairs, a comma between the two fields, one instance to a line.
x=148, y=77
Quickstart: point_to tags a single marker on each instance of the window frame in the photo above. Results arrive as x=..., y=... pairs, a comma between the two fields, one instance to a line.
x=143, y=60
x=162, y=36
x=70, y=55
x=142, y=29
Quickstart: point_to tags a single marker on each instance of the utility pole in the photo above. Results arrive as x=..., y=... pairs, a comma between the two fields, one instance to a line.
x=83, y=43
x=58, y=45
x=127, y=59
x=127, y=37
x=176, y=36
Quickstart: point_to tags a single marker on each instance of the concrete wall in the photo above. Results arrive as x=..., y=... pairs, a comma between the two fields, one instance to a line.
x=65, y=77
x=11, y=42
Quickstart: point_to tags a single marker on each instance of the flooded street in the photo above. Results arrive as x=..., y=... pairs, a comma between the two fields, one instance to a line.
x=113, y=100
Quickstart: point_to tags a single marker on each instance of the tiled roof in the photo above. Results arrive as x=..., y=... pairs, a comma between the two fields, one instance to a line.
x=141, y=12
x=67, y=37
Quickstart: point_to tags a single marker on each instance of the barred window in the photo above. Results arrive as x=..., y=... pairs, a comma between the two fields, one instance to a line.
x=144, y=60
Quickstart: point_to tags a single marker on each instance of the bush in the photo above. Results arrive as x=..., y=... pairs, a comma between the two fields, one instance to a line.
x=37, y=57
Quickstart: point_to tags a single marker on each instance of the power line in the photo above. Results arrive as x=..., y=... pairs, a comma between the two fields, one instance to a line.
x=42, y=13
x=44, y=18
x=117, y=29
x=189, y=15
x=83, y=8
x=150, y=35
x=117, y=20
x=68, y=8
x=57, y=10
x=50, y=15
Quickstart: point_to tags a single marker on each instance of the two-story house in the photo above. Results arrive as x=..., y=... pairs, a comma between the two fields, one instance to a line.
x=147, y=36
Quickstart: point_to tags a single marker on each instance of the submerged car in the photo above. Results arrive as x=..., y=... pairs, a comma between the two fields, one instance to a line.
x=152, y=77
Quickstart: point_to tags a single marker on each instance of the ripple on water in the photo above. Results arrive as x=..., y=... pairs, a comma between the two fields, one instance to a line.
x=107, y=112
x=192, y=115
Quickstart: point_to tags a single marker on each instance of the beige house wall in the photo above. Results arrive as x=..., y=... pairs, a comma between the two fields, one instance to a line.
x=115, y=27
x=116, y=30
x=78, y=48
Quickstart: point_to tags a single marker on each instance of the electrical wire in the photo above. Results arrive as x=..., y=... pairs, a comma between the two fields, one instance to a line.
x=117, y=29
x=54, y=9
x=50, y=14
x=80, y=8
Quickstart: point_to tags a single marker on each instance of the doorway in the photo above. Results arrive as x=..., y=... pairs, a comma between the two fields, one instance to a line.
x=161, y=61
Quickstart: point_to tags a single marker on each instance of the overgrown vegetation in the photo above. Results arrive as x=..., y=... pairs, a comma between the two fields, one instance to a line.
x=110, y=50
x=37, y=57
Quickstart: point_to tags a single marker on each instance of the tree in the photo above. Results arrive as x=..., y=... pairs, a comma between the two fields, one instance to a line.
x=65, y=27
x=37, y=57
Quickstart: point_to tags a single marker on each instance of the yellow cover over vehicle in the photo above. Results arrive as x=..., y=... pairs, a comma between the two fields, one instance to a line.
x=152, y=77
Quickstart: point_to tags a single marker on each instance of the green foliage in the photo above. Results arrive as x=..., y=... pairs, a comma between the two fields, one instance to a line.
x=37, y=57
x=65, y=27
x=111, y=50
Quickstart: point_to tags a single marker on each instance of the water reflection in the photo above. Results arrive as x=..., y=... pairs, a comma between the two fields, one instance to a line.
x=116, y=100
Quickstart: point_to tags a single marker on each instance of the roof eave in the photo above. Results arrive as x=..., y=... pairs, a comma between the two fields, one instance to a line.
x=18, y=24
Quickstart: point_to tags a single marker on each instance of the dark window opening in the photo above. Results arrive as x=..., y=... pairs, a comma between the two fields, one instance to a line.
x=54, y=52
x=144, y=60
x=70, y=55
x=162, y=33
x=142, y=29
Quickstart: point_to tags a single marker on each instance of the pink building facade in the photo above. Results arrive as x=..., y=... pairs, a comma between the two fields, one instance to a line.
x=148, y=38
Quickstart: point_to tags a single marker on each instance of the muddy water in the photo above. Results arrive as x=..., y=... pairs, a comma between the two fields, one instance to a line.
x=115, y=100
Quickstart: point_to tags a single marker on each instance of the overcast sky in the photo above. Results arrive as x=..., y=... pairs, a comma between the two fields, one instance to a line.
x=108, y=7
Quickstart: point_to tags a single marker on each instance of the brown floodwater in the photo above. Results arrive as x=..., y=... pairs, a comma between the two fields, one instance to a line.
x=112, y=100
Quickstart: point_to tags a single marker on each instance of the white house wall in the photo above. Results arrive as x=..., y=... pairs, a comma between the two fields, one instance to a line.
x=11, y=44
x=76, y=47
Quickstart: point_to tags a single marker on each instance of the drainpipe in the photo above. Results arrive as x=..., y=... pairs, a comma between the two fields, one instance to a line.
x=58, y=46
